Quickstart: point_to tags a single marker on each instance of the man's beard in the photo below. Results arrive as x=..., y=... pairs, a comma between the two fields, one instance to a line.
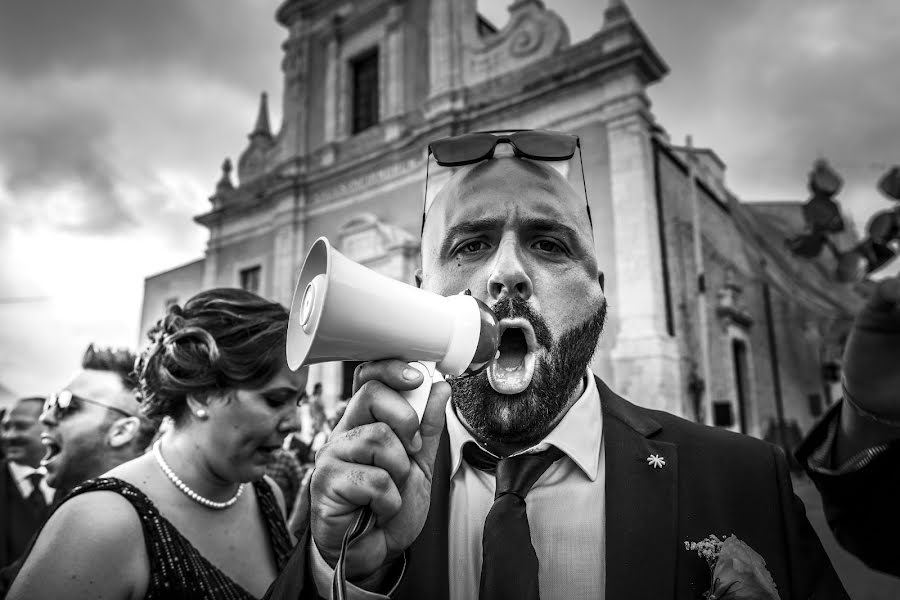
x=526, y=417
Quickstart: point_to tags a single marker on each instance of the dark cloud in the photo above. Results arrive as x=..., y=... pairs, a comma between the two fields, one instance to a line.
x=57, y=169
x=220, y=39
x=96, y=96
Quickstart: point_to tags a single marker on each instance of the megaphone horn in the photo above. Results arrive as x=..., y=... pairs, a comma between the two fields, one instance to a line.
x=343, y=311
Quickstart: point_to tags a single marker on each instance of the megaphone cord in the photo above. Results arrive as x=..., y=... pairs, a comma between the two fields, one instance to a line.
x=364, y=522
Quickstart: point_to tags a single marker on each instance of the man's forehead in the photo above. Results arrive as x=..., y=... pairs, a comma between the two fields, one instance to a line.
x=97, y=384
x=504, y=186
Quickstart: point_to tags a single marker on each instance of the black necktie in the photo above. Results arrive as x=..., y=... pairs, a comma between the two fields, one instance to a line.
x=36, y=498
x=509, y=569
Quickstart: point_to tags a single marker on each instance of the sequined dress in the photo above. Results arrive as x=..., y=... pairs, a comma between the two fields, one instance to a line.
x=177, y=569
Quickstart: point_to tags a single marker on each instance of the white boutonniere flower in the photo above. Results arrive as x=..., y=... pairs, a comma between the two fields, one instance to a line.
x=737, y=572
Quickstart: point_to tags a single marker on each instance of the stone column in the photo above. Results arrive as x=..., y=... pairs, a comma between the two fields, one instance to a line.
x=450, y=22
x=392, y=92
x=645, y=357
x=331, y=89
x=210, y=266
x=283, y=263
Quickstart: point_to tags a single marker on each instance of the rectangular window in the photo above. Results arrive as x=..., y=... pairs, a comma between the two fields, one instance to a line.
x=364, y=82
x=249, y=279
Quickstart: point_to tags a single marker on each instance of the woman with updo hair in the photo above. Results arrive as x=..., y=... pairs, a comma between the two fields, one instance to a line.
x=212, y=525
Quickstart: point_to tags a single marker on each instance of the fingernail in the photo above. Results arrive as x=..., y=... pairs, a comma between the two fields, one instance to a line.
x=416, y=443
x=410, y=374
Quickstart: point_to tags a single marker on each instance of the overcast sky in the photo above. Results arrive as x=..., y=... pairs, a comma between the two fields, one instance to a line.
x=116, y=114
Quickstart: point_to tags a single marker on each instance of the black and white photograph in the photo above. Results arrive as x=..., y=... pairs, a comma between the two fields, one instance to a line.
x=449, y=299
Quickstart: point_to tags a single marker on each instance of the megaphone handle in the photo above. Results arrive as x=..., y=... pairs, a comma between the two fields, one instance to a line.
x=418, y=397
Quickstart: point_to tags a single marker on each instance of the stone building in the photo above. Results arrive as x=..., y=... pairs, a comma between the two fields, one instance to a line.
x=367, y=83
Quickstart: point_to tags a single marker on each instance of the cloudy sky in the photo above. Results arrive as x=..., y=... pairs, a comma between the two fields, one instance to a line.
x=116, y=114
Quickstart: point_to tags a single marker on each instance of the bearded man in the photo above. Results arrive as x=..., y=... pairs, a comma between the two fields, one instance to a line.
x=535, y=480
x=89, y=427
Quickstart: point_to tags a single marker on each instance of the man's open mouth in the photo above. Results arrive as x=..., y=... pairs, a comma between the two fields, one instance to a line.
x=511, y=370
x=53, y=448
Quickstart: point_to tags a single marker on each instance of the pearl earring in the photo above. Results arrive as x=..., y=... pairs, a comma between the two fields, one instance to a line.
x=201, y=414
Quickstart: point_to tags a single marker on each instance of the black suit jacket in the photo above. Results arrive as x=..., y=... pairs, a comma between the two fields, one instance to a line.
x=860, y=505
x=18, y=520
x=713, y=482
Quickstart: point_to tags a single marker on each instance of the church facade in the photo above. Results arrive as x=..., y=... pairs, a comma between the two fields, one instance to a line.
x=721, y=326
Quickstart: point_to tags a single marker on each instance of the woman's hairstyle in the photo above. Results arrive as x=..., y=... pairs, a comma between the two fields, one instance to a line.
x=223, y=339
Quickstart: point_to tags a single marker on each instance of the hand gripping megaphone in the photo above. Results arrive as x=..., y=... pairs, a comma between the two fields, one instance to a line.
x=343, y=311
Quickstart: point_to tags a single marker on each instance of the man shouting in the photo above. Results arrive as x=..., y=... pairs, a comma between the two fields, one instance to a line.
x=535, y=480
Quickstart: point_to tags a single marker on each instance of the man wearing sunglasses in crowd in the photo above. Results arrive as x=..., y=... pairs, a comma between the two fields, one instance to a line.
x=91, y=426
x=536, y=480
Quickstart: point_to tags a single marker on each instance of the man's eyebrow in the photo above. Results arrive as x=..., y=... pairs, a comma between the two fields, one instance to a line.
x=468, y=227
x=545, y=224
x=539, y=224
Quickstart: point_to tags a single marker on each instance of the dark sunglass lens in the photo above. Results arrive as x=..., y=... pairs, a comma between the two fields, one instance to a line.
x=463, y=149
x=545, y=145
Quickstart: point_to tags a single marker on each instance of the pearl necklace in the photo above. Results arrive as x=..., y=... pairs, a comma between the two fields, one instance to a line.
x=184, y=487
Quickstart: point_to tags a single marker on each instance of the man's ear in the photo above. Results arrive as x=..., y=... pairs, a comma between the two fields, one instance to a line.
x=122, y=431
x=602, y=279
x=418, y=276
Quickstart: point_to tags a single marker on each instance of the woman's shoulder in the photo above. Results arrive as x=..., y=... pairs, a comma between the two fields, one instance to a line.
x=99, y=508
x=86, y=548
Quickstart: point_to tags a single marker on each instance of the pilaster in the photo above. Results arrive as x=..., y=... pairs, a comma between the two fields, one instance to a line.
x=645, y=357
x=210, y=267
x=392, y=67
x=331, y=89
x=447, y=26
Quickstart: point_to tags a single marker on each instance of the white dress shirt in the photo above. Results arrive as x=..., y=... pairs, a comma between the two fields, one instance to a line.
x=565, y=508
x=20, y=474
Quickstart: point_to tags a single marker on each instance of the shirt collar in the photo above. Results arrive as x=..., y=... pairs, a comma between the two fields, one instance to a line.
x=578, y=434
x=21, y=472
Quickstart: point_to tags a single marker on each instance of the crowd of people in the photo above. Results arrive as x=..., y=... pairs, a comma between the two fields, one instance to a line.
x=187, y=472
x=206, y=417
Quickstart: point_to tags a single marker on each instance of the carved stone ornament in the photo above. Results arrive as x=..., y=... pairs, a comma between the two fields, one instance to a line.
x=533, y=33
x=730, y=305
x=365, y=238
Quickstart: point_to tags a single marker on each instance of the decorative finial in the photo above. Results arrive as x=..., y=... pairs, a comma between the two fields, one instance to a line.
x=616, y=10
x=262, y=119
x=225, y=181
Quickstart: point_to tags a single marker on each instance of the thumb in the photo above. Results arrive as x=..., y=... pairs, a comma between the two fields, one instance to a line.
x=432, y=425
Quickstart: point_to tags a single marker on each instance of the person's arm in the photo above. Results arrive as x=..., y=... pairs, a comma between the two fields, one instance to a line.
x=853, y=453
x=870, y=411
x=92, y=547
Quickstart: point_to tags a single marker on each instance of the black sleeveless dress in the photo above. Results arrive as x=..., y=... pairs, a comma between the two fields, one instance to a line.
x=177, y=569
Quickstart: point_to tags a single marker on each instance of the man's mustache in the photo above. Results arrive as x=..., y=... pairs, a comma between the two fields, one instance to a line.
x=511, y=307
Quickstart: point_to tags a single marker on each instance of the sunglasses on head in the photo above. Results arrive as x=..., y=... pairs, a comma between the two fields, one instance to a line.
x=65, y=402
x=474, y=147
x=533, y=144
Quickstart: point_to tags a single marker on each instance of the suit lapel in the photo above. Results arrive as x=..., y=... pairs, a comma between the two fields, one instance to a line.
x=427, y=559
x=641, y=503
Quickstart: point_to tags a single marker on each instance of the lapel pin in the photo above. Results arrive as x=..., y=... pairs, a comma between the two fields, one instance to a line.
x=656, y=461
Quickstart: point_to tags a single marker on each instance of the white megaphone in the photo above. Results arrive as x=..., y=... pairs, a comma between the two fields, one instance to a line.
x=343, y=311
